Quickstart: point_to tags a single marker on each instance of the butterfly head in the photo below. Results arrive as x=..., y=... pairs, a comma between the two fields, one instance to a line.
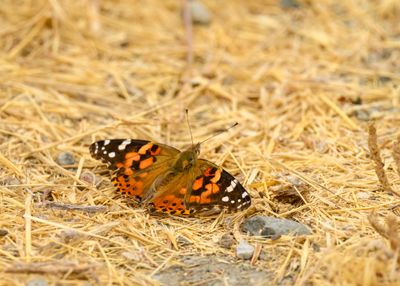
x=188, y=158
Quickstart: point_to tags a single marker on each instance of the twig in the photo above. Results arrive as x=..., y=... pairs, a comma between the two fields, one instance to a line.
x=376, y=157
x=396, y=154
x=388, y=229
x=68, y=207
x=187, y=20
x=28, y=227
x=50, y=268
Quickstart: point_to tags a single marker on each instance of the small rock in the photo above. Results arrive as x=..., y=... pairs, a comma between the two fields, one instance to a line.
x=37, y=282
x=200, y=14
x=3, y=232
x=244, y=250
x=289, y=4
x=226, y=241
x=183, y=241
x=363, y=195
x=11, y=181
x=68, y=236
x=264, y=256
x=131, y=256
x=90, y=178
x=362, y=115
x=273, y=227
x=65, y=158
x=294, y=180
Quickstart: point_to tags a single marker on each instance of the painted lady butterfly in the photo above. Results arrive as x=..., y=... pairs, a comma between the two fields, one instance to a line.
x=168, y=180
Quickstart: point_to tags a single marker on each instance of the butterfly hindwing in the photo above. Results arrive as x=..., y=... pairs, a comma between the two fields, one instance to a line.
x=204, y=189
x=168, y=194
x=213, y=187
x=136, y=163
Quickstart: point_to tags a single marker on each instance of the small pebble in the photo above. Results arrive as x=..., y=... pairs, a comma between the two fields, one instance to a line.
x=131, y=256
x=90, y=178
x=37, y=282
x=226, y=241
x=363, y=195
x=289, y=4
x=3, y=232
x=11, y=181
x=362, y=115
x=67, y=236
x=200, y=14
x=244, y=250
x=183, y=241
x=65, y=158
x=264, y=256
x=294, y=180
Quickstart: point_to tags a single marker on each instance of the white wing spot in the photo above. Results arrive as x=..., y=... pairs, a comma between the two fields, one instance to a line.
x=232, y=201
x=106, y=142
x=245, y=194
x=232, y=186
x=103, y=148
x=124, y=143
x=111, y=155
x=239, y=200
x=105, y=152
x=225, y=199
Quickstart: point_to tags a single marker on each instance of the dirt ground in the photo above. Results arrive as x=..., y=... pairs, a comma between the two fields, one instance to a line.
x=307, y=81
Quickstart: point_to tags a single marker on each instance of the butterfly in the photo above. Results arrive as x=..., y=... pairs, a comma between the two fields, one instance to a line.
x=169, y=181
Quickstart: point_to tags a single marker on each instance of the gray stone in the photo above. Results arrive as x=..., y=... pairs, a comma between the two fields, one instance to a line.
x=37, y=282
x=65, y=158
x=362, y=115
x=90, y=178
x=363, y=195
x=244, y=250
x=273, y=227
x=226, y=241
x=294, y=180
x=200, y=14
x=289, y=4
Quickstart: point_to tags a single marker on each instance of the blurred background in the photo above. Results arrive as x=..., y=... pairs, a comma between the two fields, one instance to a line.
x=302, y=78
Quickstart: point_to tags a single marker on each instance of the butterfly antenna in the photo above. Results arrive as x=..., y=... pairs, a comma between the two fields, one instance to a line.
x=190, y=128
x=220, y=132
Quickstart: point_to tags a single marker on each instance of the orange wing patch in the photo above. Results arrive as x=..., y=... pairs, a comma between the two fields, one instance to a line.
x=128, y=185
x=146, y=163
x=171, y=204
x=197, y=184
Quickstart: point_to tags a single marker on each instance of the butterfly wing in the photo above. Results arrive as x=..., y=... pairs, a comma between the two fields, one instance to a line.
x=205, y=188
x=168, y=195
x=214, y=188
x=136, y=163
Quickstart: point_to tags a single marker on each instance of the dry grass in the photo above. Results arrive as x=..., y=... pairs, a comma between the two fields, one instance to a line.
x=302, y=84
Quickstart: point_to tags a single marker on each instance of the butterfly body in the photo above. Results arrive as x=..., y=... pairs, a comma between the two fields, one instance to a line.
x=170, y=181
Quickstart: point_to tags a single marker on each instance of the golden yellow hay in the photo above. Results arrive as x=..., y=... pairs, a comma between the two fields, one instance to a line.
x=303, y=81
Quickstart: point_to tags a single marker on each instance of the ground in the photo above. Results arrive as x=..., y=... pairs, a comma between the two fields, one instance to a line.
x=305, y=80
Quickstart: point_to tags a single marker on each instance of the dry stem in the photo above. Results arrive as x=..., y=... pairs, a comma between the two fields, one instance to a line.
x=376, y=157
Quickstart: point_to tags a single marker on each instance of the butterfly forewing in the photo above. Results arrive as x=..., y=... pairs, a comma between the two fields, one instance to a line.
x=137, y=163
